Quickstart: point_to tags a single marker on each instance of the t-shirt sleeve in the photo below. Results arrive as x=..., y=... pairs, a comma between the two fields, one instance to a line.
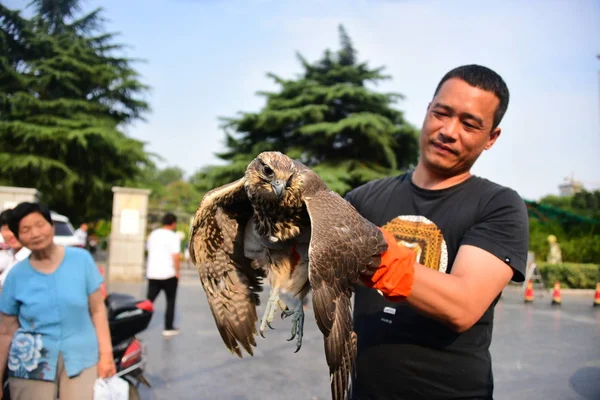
x=93, y=276
x=503, y=230
x=8, y=302
x=348, y=197
x=354, y=197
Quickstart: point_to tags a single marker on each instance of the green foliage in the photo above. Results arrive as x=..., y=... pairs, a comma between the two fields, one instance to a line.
x=570, y=275
x=64, y=96
x=180, y=196
x=588, y=203
x=574, y=220
x=584, y=203
x=328, y=119
x=575, y=246
x=583, y=249
x=170, y=192
x=102, y=228
x=563, y=202
x=538, y=237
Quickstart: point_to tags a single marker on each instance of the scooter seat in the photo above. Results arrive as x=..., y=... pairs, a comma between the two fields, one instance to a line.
x=118, y=302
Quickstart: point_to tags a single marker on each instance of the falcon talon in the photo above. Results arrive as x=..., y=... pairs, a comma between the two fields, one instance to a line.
x=287, y=313
x=297, y=325
x=284, y=308
x=270, y=310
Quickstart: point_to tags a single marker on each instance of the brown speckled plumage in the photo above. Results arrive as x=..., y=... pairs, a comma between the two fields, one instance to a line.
x=341, y=245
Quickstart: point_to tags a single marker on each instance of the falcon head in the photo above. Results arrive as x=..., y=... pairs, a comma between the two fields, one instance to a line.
x=272, y=176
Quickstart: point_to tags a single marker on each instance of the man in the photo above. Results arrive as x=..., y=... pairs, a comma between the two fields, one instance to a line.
x=13, y=250
x=455, y=241
x=81, y=234
x=162, y=269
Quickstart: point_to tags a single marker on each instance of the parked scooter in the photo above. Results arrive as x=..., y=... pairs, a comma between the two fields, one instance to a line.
x=127, y=317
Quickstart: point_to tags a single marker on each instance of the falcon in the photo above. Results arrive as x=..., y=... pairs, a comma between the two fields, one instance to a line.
x=281, y=222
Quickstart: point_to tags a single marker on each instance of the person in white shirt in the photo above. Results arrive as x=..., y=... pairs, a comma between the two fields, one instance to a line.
x=162, y=267
x=13, y=250
x=81, y=234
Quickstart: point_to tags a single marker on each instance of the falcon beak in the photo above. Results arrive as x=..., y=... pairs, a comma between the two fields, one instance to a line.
x=279, y=187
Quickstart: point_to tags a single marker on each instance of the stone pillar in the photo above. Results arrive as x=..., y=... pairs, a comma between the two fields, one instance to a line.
x=128, y=235
x=10, y=196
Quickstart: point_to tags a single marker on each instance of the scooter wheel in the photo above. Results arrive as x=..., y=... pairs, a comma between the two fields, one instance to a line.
x=133, y=392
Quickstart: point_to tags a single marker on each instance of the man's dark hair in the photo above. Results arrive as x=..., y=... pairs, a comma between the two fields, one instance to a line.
x=24, y=209
x=169, y=218
x=485, y=79
x=5, y=216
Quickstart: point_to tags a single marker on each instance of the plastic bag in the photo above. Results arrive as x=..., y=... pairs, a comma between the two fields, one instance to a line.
x=113, y=388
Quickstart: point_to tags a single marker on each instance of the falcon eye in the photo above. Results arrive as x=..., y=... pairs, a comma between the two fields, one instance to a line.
x=267, y=170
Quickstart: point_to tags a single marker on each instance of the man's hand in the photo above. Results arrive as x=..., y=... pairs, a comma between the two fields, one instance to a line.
x=106, y=366
x=395, y=276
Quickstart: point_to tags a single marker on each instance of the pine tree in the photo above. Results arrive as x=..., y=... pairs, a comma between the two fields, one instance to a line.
x=328, y=119
x=64, y=97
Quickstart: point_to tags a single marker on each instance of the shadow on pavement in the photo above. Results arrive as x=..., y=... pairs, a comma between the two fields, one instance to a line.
x=586, y=382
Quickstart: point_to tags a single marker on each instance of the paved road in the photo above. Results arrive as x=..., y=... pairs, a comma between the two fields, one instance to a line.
x=539, y=353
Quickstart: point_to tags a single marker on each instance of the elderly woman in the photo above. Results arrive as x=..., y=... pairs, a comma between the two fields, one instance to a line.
x=54, y=334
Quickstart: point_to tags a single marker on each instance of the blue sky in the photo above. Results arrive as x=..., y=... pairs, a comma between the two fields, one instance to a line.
x=207, y=58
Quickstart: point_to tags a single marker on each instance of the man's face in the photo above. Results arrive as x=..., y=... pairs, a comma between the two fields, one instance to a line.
x=9, y=238
x=457, y=127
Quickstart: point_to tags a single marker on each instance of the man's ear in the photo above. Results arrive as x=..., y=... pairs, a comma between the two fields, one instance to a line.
x=494, y=135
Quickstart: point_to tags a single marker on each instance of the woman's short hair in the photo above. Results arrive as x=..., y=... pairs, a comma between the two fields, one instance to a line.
x=22, y=210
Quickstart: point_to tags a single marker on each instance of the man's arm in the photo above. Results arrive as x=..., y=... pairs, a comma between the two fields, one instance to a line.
x=176, y=249
x=177, y=263
x=460, y=298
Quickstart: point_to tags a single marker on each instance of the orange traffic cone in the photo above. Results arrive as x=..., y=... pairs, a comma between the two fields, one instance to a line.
x=597, y=296
x=529, y=292
x=556, y=294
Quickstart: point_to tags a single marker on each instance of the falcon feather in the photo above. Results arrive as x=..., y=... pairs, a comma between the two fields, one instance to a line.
x=281, y=222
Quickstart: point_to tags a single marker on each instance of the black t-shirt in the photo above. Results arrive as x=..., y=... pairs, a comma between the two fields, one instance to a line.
x=403, y=354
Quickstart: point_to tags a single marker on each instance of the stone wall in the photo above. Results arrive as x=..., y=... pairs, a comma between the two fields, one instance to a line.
x=127, y=239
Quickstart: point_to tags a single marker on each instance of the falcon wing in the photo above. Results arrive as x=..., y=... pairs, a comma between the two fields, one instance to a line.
x=343, y=245
x=229, y=281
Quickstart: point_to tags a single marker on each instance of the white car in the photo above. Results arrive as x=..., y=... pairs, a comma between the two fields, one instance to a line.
x=64, y=233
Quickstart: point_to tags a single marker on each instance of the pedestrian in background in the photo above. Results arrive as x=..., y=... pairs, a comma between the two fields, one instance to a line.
x=14, y=251
x=81, y=233
x=162, y=268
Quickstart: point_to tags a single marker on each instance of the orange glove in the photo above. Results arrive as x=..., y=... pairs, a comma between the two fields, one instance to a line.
x=396, y=273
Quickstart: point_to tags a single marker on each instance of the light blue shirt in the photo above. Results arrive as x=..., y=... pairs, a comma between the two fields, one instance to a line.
x=53, y=311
